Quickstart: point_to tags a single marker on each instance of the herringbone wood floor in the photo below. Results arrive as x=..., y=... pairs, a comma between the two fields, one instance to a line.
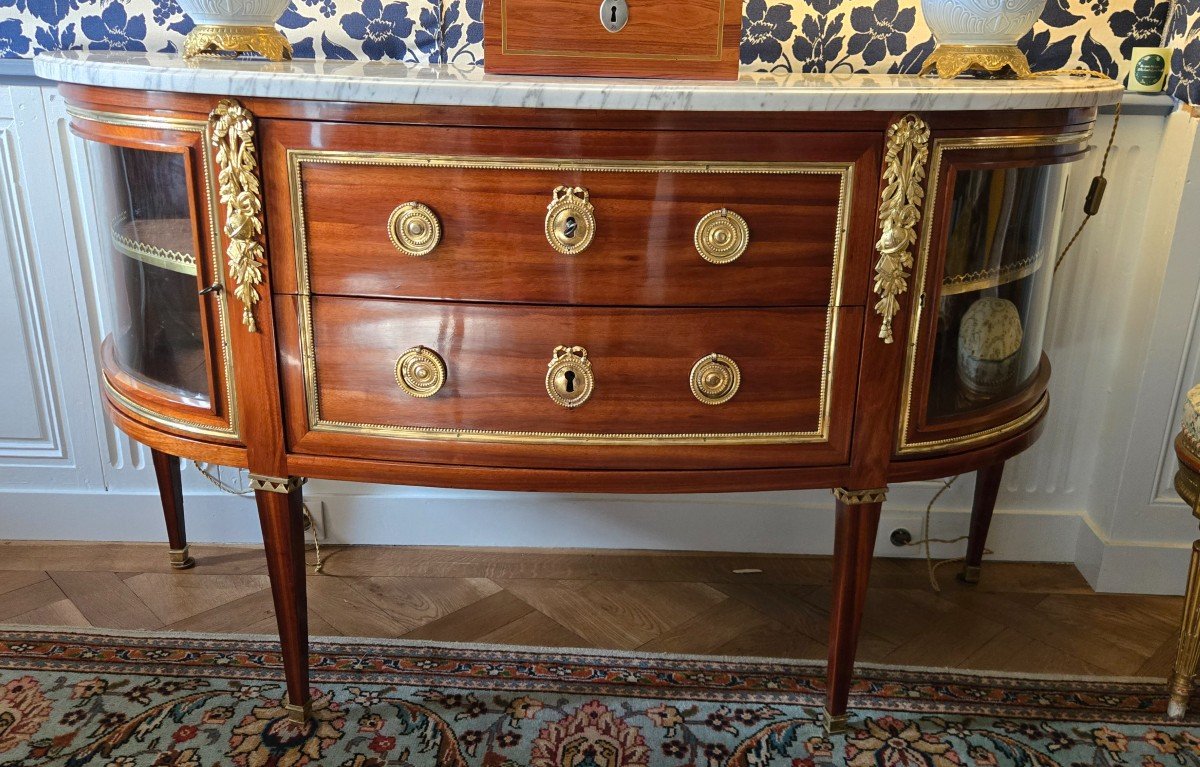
x=1022, y=617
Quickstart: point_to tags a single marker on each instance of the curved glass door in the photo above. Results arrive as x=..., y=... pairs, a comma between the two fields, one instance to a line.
x=158, y=330
x=1000, y=248
x=974, y=369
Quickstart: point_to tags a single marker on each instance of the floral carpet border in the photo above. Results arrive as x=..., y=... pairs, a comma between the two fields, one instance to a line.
x=647, y=675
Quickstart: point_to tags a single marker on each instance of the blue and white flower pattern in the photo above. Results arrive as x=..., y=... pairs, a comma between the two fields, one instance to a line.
x=777, y=35
x=765, y=29
x=114, y=29
x=13, y=43
x=380, y=28
x=1183, y=35
x=881, y=30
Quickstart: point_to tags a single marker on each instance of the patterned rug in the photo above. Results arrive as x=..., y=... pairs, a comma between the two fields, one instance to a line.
x=117, y=699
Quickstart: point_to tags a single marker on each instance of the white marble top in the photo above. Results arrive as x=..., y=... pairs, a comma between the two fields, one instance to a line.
x=445, y=85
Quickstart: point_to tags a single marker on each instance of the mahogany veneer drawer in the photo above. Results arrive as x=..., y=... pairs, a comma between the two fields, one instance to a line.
x=495, y=400
x=491, y=215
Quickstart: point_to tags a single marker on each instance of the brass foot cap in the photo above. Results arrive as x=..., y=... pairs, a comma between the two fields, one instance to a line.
x=1181, y=691
x=298, y=714
x=835, y=724
x=970, y=574
x=181, y=559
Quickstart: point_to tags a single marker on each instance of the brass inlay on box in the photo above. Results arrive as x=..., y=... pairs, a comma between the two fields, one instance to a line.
x=570, y=223
x=722, y=236
x=715, y=379
x=414, y=229
x=569, y=379
x=420, y=372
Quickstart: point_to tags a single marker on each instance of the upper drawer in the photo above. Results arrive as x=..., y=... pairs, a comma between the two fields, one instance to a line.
x=641, y=237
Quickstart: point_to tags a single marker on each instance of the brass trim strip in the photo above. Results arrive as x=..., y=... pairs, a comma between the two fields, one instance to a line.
x=490, y=162
x=214, y=236
x=124, y=120
x=940, y=146
x=990, y=278
x=171, y=422
x=995, y=432
x=567, y=438
x=164, y=258
x=296, y=157
x=612, y=55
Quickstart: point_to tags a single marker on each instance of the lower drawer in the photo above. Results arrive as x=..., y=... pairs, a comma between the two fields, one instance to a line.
x=569, y=386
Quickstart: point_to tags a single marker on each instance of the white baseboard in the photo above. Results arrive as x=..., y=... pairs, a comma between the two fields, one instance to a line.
x=1131, y=567
x=789, y=523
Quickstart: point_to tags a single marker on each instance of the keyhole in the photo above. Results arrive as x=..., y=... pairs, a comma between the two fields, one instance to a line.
x=571, y=225
x=569, y=375
x=613, y=17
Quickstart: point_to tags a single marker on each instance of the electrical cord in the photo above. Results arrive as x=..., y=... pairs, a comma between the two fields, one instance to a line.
x=1095, y=195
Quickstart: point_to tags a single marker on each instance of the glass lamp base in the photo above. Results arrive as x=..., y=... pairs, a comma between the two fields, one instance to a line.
x=950, y=61
x=267, y=42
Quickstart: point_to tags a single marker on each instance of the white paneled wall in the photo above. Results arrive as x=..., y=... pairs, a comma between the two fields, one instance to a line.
x=1094, y=490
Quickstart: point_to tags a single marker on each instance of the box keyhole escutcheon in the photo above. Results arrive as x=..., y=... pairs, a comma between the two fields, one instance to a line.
x=614, y=14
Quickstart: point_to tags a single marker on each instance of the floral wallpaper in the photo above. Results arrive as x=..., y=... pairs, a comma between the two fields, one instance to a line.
x=777, y=35
x=1183, y=34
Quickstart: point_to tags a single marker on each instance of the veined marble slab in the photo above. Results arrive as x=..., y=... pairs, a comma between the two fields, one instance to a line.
x=446, y=85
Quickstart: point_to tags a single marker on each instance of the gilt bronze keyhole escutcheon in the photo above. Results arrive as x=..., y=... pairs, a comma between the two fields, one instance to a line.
x=569, y=379
x=570, y=222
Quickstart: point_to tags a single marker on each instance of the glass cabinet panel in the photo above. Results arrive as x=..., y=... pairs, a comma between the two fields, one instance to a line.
x=158, y=330
x=1000, y=250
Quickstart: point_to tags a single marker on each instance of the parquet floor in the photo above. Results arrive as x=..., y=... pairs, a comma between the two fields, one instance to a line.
x=1022, y=617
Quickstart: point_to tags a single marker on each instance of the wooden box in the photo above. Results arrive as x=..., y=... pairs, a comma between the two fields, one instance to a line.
x=681, y=39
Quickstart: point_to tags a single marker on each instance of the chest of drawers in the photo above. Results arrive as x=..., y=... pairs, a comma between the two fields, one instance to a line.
x=578, y=300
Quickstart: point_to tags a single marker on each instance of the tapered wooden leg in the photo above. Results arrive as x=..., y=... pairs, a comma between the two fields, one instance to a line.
x=1188, y=657
x=987, y=487
x=281, y=514
x=853, y=546
x=170, y=489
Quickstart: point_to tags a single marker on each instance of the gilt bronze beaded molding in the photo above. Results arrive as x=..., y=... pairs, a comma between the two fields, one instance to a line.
x=298, y=158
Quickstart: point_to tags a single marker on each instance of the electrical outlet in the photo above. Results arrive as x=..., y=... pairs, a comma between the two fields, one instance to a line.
x=901, y=537
x=314, y=521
